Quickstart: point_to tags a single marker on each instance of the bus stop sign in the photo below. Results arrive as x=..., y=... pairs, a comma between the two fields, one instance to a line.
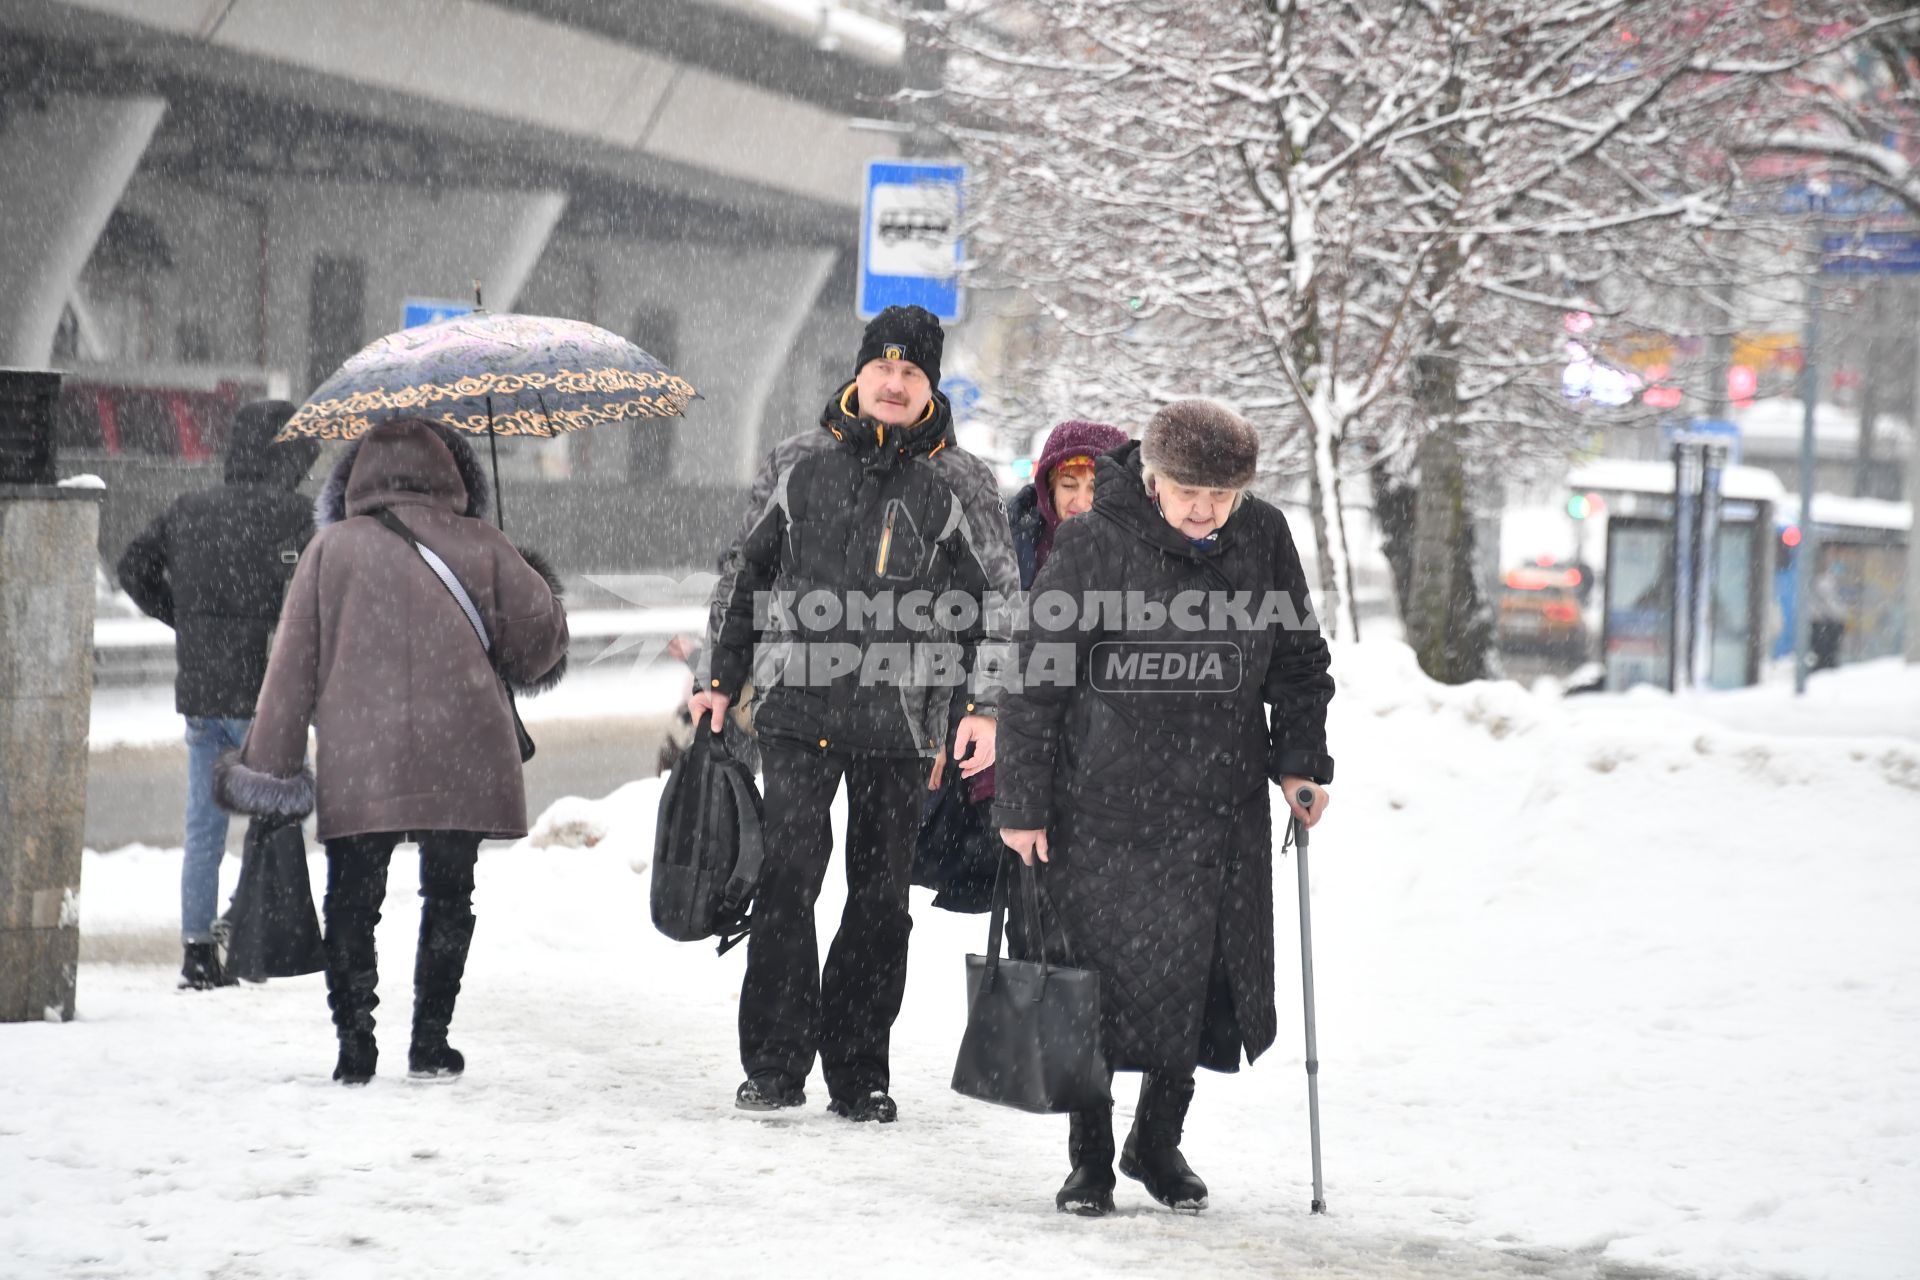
x=910, y=238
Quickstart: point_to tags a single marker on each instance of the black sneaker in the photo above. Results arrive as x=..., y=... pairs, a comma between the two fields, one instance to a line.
x=201, y=969
x=876, y=1107
x=769, y=1093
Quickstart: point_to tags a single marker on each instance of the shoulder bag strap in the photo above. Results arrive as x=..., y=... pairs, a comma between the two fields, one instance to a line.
x=441, y=571
x=451, y=582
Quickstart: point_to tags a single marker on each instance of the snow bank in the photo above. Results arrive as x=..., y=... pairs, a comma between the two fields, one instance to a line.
x=1604, y=984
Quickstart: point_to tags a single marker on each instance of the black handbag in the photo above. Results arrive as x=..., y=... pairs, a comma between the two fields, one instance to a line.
x=1033, y=1028
x=270, y=928
x=709, y=845
x=958, y=850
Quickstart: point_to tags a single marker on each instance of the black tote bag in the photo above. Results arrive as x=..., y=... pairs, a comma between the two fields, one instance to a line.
x=271, y=928
x=1033, y=1028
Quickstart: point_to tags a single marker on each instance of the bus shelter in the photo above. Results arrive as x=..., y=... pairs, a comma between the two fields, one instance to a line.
x=1862, y=544
x=1692, y=611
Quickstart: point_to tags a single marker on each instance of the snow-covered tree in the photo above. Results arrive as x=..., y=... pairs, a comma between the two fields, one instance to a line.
x=1365, y=222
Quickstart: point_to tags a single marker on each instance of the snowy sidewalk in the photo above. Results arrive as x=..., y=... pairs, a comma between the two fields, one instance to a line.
x=1601, y=995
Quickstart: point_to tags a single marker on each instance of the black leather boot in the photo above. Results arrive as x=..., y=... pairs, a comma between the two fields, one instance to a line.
x=446, y=932
x=1088, y=1190
x=201, y=970
x=353, y=973
x=351, y=994
x=1152, y=1151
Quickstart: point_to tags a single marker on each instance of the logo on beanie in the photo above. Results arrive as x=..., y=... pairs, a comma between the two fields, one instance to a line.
x=892, y=352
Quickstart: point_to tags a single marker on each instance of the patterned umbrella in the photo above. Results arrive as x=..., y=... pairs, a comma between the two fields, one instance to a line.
x=493, y=375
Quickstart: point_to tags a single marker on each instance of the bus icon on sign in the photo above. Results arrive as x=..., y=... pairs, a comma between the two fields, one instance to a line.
x=911, y=226
x=912, y=230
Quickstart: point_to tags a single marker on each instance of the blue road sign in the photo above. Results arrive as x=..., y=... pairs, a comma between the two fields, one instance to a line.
x=418, y=311
x=1704, y=431
x=910, y=237
x=1838, y=200
x=963, y=393
x=1891, y=253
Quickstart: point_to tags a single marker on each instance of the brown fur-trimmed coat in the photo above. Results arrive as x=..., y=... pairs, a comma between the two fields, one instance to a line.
x=411, y=724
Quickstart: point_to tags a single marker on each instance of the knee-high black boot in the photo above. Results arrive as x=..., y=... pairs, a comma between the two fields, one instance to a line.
x=1088, y=1190
x=352, y=975
x=446, y=932
x=1152, y=1151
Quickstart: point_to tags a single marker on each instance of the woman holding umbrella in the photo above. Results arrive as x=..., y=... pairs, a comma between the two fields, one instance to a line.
x=402, y=683
x=1142, y=780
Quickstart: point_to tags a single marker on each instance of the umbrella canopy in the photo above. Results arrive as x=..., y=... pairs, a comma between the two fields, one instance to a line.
x=502, y=375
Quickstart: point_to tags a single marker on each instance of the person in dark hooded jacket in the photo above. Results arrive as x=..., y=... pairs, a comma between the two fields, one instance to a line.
x=214, y=567
x=958, y=847
x=413, y=729
x=1136, y=768
x=878, y=504
x=1062, y=488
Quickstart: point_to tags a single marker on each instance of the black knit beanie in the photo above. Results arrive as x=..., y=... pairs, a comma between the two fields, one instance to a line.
x=1201, y=443
x=904, y=333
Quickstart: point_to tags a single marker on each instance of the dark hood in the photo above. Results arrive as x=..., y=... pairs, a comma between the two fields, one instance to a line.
x=1120, y=494
x=402, y=458
x=253, y=458
x=877, y=443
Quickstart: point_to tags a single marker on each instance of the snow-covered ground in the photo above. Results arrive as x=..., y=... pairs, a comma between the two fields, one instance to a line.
x=1607, y=987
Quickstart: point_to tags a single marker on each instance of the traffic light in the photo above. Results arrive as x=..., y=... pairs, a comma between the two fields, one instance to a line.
x=1582, y=505
x=1789, y=543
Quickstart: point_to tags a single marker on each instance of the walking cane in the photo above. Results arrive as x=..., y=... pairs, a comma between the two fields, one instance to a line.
x=1305, y=797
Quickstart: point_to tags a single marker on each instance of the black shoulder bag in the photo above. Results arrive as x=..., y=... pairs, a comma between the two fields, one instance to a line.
x=461, y=598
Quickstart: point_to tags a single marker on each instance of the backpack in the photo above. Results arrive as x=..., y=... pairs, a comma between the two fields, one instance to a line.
x=709, y=844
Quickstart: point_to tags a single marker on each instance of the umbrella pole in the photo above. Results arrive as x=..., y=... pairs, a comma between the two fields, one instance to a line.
x=493, y=452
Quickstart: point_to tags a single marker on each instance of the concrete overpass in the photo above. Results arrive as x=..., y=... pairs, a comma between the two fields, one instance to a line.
x=226, y=197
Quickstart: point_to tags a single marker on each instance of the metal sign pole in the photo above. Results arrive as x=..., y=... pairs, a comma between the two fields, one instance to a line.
x=1803, y=554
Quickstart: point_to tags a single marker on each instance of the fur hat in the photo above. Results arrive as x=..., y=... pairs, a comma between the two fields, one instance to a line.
x=1201, y=443
x=904, y=333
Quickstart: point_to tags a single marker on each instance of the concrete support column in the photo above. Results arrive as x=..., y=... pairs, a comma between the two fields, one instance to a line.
x=1912, y=621
x=62, y=170
x=408, y=242
x=739, y=314
x=47, y=561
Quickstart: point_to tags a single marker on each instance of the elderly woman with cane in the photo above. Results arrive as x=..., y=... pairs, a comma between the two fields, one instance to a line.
x=1135, y=762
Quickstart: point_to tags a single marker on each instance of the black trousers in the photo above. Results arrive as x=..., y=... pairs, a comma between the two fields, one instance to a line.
x=1824, y=639
x=790, y=1010
x=356, y=889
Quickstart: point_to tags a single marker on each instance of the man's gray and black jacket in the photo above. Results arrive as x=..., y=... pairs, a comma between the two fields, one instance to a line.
x=860, y=507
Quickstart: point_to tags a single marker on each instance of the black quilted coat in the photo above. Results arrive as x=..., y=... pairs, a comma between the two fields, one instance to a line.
x=1150, y=770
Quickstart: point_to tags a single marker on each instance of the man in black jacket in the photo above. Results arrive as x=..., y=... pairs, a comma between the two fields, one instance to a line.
x=214, y=566
x=885, y=546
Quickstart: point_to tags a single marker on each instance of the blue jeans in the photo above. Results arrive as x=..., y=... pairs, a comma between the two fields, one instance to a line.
x=206, y=825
